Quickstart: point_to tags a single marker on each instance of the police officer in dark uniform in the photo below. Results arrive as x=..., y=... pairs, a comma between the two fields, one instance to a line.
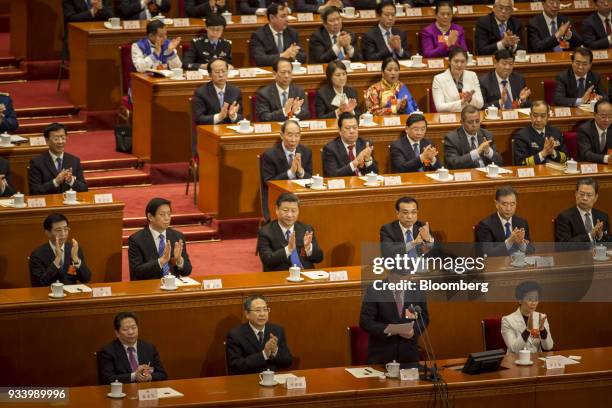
x=208, y=47
x=8, y=117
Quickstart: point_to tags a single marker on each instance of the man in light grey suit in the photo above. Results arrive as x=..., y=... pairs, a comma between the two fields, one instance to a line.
x=470, y=146
x=281, y=100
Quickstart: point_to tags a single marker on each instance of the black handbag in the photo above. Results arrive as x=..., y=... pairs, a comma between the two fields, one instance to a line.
x=123, y=138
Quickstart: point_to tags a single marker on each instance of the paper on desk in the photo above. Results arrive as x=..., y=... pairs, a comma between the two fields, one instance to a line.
x=501, y=170
x=524, y=111
x=436, y=177
x=17, y=138
x=7, y=203
x=302, y=182
x=406, y=63
x=585, y=107
x=186, y=281
x=364, y=372
x=80, y=288
x=167, y=392
x=358, y=65
x=315, y=275
x=282, y=378
x=531, y=260
x=379, y=178
x=561, y=359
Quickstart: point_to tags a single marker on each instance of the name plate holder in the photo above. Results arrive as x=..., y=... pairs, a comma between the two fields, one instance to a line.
x=131, y=25
x=149, y=394
x=483, y=61
x=393, y=180
x=314, y=69
x=537, y=58
x=101, y=292
x=465, y=10
x=248, y=19
x=435, y=63
x=537, y=6
x=103, y=198
x=447, y=118
x=562, y=112
x=293, y=383
x=212, y=284
x=181, y=22
x=38, y=202
x=335, y=184
x=600, y=54
x=305, y=17
x=526, y=172
x=373, y=66
x=463, y=176
x=194, y=75
x=510, y=115
x=263, y=128
x=247, y=73
x=580, y=4
x=367, y=14
x=318, y=124
x=391, y=121
x=414, y=12
x=337, y=276
x=38, y=141
x=590, y=168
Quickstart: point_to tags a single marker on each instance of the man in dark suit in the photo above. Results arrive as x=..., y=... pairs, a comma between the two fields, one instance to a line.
x=80, y=10
x=205, y=8
x=470, y=146
x=257, y=345
x=551, y=31
x=8, y=117
x=595, y=136
x=55, y=171
x=128, y=359
x=348, y=154
x=158, y=250
x=208, y=47
x=502, y=87
x=331, y=42
x=503, y=232
x=384, y=40
x=142, y=9
x=583, y=223
x=59, y=259
x=6, y=190
x=281, y=100
x=540, y=142
x=578, y=84
x=597, y=27
x=317, y=6
x=258, y=7
x=412, y=151
x=276, y=39
x=498, y=30
x=217, y=101
x=286, y=242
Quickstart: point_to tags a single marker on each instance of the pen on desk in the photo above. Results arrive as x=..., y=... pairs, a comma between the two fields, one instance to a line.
x=79, y=289
x=367, y=371
x=181, y=279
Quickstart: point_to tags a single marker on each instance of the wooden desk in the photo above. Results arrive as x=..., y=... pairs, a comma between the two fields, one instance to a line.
x=452, y=209
x=19, y=157
x=98, y=60
x=97, y=228
x=229, y=175
x=189, y=326
x=588, y=382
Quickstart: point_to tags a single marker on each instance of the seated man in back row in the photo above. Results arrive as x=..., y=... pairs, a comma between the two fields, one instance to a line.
x=578, y=84
x=595, y=135
x=217, y=101
x=155, y=51
x=209, y=47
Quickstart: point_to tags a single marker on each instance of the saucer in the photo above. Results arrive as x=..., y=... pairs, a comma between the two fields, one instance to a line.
x=323, y=187
x=70, y=202
x=473, y=64
x=356, y=15
x=24, y=205
x=251, y=129
x=110, y=27
x=51, y=295
x=518, y=362
x=391, y=376
x=518, y=265
x=301, y=71
x=109, y=395
x=300, y=279
x=165, y=288
x=421, y=65
x=368, y=124
x=494, y=177
x=174, y=78
x=168, y=21
x=7, y=145
x=522, y=60
x=572, y=172
x=268, y=385
x=400, y=15
x=607, y=258
x=375, y=184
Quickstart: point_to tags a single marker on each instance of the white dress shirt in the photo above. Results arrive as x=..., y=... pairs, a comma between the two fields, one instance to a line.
x=582, y=216
x=474, y=152
x=500, y=45
x=156, y=240
x=348, y=52
x=604, y=139
x=353, y=168
x=290, y=173
x=291, y=231
x=603, y=23
x=263, y=332
x=54, y=159
x=522, y=246
x=501, y=87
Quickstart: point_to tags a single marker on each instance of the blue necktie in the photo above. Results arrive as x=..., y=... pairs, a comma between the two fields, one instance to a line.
x=294, y=257
x=502, y=29
x=417, y=152
x=553, y=30
x=290, y=160
x=508, y=232
x=279, y=42
x=508, y=101
x=412, y=253
x=160, y=251
x=341, y=53
x=58, y=164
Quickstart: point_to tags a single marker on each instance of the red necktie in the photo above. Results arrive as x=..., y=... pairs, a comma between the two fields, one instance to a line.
x=351, y=157
x=608, y=28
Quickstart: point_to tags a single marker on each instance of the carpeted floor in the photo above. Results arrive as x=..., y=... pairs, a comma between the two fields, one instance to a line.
x=94, y=145
x=5, y=44
x=36, y=94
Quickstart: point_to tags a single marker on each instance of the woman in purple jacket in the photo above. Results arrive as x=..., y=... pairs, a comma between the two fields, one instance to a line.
x=439, y=37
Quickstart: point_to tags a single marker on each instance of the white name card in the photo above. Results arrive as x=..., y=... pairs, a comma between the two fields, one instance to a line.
x=38, y=141
x=305, y=17
x=335, y=184
x=435, y=63
x=194, y=75
x=374, y=66
x=248, y=19
x=554, y=364
x=131, y=25
x=560, y=112
x=465, y=9
x=314, y=69
x=147, y=395
x=247, y=73
x=391, y=121
x=393, y=180
x=581, y=4
x=318, y=124
x=510, y=115
x=447, y=118
x=484, y=61
x=181, y=22
x=545, y=261
x=212, y=284
x=588, y=168
x=102, y=291
x=37, y=202
x=536, y=58
x=103, y=198
x=263, y=128
x=526, y=172
x=336, y=276
x=414, y=12
x=463, y=176
x=600, y=54
x=367, y=14
x=409, y=374
x=537, y=6
x=293, y=383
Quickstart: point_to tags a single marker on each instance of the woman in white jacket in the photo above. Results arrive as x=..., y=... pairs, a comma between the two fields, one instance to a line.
x=526, y=328
x=456, y=87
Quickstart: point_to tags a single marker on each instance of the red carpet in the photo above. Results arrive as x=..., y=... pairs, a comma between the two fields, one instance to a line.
x=5, y=44
x=36, y=94
x=217, y=258
x=94, y=145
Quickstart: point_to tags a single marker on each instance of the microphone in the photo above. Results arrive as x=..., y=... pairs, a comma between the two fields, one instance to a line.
x=434, y=375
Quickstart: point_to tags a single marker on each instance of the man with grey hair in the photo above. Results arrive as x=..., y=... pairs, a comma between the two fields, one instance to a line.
x=498, y=29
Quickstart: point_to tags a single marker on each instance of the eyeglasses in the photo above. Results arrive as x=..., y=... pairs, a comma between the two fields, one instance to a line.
x=259, y=311
x=586, y=195
x=60, y=230
x=582, y=63
x=604, y=115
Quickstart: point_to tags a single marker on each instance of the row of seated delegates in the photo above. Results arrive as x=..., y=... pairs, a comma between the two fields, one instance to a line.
x=209, y=46
x=330, y=42
x=389, y=96
x=456, y=87
x=217, y=101
x=156, y=49
x=141, y=9
x=503, y=87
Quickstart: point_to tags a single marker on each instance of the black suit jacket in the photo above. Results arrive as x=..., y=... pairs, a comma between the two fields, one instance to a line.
x=202, y=52
x=491, y=236
x=336, y=162
x=589, y=147
x=320, y=47
x=403, y=159
x=528, y=143
x=264, y=51
x=131, y=9
x=378, y=310
x=490, y=88
x=594, y=33
x=143, y=255
x=374, y=47
x=9, y=123
x=244, y=352
x=457, y=150
x=487, y=33
x=113, y=362
x=369, y=4
x=569, y=227
x=274, y=164
x=201, y=8
x=250, y=6
x=271, y=245
x=268, y=106
x=6, y=172
x=43, y=271
x=76, y=10
x=42, y=172
x=566, y=91
x=206, y=103
x=325, y=96
x=539, y=37
x=393, y=241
